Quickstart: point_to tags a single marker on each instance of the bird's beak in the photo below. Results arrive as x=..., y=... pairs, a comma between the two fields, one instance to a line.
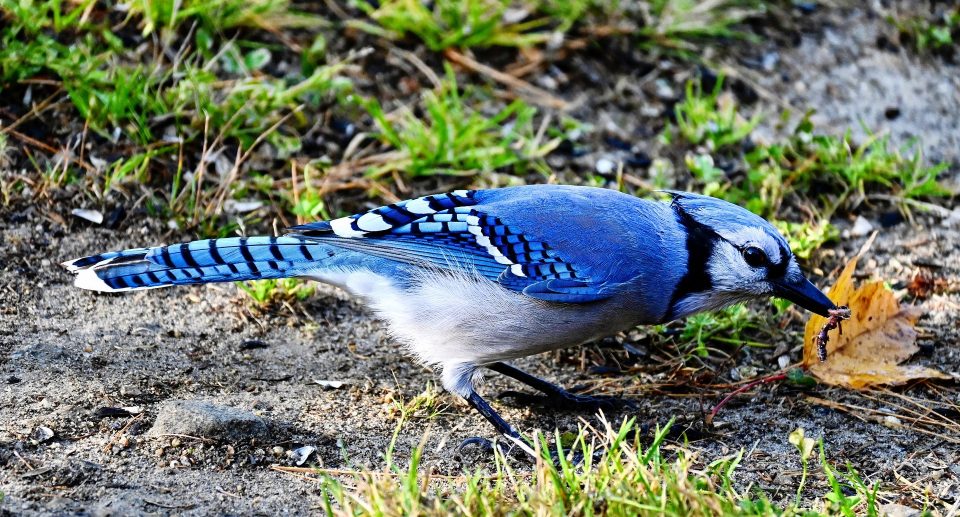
x=802, y=292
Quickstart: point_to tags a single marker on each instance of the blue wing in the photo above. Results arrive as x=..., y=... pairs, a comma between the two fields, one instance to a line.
x=455, y=231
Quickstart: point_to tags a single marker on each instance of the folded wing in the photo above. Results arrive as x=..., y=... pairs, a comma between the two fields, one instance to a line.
x=453, y=231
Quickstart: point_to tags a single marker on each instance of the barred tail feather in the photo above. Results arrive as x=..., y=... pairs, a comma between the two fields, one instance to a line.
x=211, y=260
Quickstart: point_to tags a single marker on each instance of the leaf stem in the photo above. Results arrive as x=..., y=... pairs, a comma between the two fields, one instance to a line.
x=746, y=387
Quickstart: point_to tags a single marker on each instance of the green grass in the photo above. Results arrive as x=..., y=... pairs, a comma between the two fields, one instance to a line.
x=677, y=26
x=177, y=94
x=823, y=173
x=220, y=15
x=455, y=136
x=729, y=325
x=277, y=291
x=209, y=93
x=940, y=33
x=607, y=471
x=680, y=26
x=712, y=118
x=446, y=24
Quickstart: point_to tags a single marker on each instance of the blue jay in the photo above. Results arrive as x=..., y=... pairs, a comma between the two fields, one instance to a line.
x=473, y=278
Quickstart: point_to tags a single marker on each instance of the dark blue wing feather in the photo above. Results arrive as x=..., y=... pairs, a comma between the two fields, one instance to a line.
x=453, y=231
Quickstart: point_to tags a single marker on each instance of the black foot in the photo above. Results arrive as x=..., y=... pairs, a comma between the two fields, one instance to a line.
x=566, y=400
x=554, y=396
x=486, y=446
x=509, y=450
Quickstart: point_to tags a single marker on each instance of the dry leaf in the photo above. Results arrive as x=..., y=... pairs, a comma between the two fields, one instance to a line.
x=875, y=340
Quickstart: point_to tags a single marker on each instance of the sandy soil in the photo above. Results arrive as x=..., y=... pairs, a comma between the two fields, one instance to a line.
x=66, y=354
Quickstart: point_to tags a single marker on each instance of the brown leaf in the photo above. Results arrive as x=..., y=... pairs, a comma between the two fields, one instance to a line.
x=878, y=337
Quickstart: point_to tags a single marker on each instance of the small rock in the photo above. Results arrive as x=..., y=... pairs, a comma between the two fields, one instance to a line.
x=898, y=510
x=207, y=420
x=278, y=451
x=242, y=206
x=514, y=15
x=41, y=434
x=546, y=82
x=735, y=375
x=861, y=227
x=664, y=91
x=94, y=216
x=605, y=166
x=249, y=344
x=770, y=60
x=953, y=219
x=330, y=385
x=783, y=361
x=300, y=455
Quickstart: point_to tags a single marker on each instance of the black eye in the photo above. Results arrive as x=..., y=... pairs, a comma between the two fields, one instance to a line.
x=755, y=256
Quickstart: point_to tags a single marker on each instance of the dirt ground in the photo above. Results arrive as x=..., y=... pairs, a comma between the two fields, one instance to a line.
x=66, y=354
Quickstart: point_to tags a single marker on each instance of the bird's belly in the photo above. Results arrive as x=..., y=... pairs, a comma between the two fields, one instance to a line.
x=457, y=318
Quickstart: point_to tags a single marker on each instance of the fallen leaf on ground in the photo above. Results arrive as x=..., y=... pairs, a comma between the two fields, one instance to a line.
x=875, y=340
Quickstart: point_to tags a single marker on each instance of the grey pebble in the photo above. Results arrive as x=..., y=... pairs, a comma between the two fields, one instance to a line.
x=204, y=419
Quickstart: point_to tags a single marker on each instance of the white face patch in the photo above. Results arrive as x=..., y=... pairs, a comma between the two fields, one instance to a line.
x=750, y=236
x=729, y=272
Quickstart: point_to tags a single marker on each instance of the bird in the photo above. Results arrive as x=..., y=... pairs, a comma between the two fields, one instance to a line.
x=471, y=279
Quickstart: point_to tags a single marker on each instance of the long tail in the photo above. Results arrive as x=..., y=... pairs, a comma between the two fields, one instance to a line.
x=211, y=260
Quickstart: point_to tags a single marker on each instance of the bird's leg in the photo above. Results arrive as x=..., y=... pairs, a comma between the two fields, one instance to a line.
x=554, y=395
x=502, y=426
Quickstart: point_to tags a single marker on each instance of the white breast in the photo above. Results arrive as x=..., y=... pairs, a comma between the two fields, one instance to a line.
x=446, y=318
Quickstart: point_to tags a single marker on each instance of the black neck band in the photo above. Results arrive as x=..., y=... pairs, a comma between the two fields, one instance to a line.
x=700, y=244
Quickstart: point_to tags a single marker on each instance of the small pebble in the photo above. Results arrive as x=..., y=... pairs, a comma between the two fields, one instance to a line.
x=783, y=361
x=278, y=451
x=546, y=82
x=891, y=421
x=300, y=455
x=175, y=442
x=735, y=375
x=664, y=90
x=861, y=227
x=605, y=166
x=770, y=60
x=206, y=420
x=41, y=434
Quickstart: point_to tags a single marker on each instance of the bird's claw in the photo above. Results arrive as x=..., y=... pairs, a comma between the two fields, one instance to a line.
x=567, y=400
x=486, y=445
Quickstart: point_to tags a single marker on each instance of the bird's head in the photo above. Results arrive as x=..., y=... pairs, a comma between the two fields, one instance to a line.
x=735, y=255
